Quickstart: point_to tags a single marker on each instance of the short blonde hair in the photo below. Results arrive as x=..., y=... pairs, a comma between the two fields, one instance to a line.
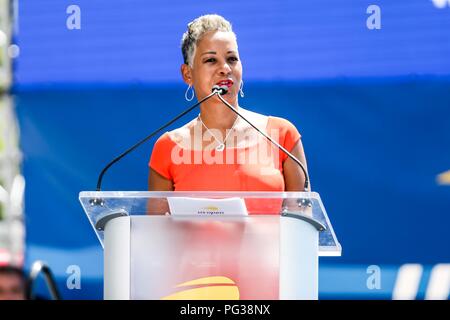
x=196, y=30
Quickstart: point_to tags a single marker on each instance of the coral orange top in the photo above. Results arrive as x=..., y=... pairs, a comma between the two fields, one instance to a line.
x=256, y=165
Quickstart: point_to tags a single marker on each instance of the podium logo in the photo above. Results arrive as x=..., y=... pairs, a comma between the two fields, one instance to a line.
x=211, y=210
x=208, y=288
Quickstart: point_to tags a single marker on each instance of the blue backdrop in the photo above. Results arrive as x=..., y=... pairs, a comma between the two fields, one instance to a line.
x=139, y=41
x=373, y=107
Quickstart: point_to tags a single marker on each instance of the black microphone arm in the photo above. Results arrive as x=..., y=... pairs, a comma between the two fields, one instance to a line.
x=223, y=90
x=215, y=90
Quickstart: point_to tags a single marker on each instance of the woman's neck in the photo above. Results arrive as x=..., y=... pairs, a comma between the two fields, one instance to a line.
x=216, y=115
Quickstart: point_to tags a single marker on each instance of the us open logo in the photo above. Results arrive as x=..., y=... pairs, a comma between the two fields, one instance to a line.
x=208, y=288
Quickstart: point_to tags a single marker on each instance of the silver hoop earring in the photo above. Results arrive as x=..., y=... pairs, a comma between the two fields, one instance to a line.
x=186, y=93
x=240, y=89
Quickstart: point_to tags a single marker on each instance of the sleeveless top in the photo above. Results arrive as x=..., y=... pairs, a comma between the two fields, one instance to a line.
x=248, y=163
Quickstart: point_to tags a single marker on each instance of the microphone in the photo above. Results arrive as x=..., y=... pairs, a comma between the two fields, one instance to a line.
x=215, y=90
x=223, y=90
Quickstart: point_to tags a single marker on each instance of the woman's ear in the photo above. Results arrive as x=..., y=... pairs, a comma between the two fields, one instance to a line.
x=186, y=73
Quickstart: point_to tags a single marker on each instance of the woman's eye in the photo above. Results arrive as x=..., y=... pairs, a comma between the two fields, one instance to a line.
x=210, y=60
x=234, y=59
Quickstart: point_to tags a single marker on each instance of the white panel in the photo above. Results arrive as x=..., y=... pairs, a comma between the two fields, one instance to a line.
x=117, y=259
x=299, y=261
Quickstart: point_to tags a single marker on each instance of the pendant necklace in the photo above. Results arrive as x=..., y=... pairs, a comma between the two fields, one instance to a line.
x=221, y=144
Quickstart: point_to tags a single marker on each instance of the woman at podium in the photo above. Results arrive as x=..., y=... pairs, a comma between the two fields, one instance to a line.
x=217, y=150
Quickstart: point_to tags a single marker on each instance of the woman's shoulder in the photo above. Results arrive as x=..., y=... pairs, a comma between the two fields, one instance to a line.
x=164, y=139
x=270, y=121
x=258, y=119
x=182, y=136
x=175, y=136
x=283, y=128
x=280, y=123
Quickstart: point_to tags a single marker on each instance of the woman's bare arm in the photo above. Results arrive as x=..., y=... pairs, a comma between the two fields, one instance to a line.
x=294, y=178
x=157, y=182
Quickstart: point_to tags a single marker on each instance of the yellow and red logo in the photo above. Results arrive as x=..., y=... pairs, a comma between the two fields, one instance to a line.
x=208, y=288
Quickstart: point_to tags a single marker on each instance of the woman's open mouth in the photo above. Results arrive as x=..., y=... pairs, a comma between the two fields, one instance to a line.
x=227, y=82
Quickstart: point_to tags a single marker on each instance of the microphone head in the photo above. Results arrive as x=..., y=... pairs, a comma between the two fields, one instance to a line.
x=221, y=89
x=224, y=89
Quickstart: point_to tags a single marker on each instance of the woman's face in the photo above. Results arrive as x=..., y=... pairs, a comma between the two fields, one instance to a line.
x=216, y=62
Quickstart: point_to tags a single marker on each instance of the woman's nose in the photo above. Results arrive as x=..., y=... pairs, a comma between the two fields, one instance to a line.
x=225, y=69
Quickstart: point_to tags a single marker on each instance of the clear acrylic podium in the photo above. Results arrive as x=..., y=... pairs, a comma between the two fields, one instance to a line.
x=272, y=253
